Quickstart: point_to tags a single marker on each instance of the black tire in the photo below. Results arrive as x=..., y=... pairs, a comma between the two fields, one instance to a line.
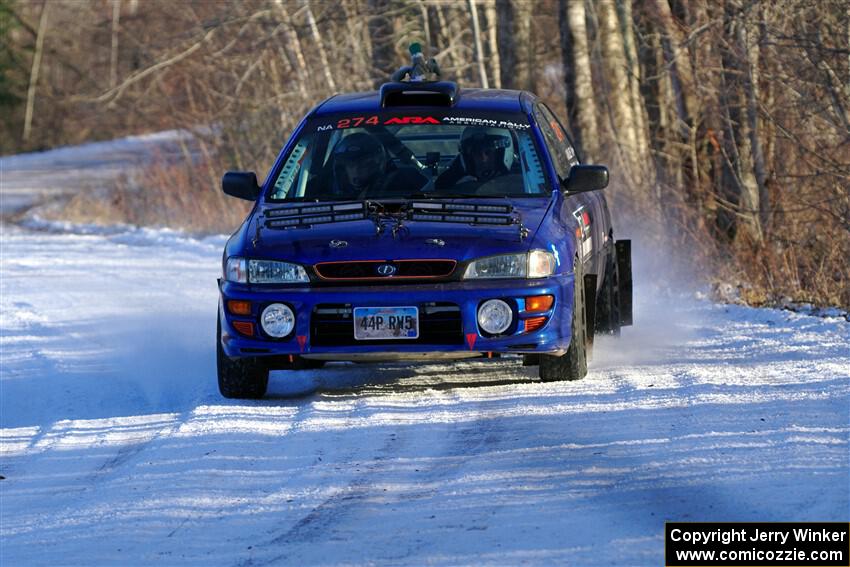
x=608, y=302
x=241, y=378
x=573, y=364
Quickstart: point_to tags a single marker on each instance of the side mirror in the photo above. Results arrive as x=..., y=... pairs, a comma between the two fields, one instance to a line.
x=586, y=178
x=241, y=184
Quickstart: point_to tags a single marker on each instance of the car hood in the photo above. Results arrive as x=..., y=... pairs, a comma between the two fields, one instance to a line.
x=417, y=239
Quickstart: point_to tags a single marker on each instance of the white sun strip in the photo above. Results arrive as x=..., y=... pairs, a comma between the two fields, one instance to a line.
x=73, y=434
x=211, y=420
x=14, y=441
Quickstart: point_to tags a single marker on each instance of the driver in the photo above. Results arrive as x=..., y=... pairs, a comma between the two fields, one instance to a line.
x=481, y=158
x=363, y=169
x=360, y=163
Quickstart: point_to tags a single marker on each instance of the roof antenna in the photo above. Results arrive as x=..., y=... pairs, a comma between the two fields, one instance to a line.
x=418, y=71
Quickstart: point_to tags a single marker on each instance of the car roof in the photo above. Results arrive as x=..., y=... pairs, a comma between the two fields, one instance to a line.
x=500, y=100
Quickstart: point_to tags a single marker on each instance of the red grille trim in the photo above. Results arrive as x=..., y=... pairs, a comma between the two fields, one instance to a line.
x=442, y=268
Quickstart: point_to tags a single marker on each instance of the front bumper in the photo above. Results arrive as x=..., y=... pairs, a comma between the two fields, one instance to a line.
x=552, y=338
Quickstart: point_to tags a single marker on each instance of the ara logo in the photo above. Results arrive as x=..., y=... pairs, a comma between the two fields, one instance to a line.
x=386, y=270
x=412, y=120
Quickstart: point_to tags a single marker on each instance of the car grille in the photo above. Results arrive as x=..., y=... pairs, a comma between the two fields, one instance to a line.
x=368, y=270
x=332, y=324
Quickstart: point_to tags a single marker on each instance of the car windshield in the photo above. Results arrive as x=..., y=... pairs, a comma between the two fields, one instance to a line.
x=356, y=158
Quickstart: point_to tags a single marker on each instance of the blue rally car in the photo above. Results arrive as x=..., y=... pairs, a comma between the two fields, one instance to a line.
x=421, y=222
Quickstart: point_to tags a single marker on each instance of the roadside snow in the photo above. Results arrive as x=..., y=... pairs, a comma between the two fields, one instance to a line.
x=28, y=179
x=117, y=449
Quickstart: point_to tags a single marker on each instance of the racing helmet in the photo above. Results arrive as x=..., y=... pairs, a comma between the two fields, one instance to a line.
x=486, y=151
x=359, y=160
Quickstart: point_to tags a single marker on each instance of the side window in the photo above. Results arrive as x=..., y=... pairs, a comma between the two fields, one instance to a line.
x=564, y=155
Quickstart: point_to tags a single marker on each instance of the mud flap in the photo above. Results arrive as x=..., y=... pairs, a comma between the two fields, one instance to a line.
x=590, y=310
x=624, y=272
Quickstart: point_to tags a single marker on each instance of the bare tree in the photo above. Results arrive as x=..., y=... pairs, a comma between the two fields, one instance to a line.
x=581, y=108
x=35, y=69
x=479, y=52
x=320, y=46
x=629, y=139
x=493, y=40
x=381, y=32
x=113, y=58
x=506, y=46
x=742, y=185
x=523, y=12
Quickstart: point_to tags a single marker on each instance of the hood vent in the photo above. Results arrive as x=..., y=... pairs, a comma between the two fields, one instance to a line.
x=440, y=93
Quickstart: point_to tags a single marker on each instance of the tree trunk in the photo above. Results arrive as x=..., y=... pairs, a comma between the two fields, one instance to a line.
x=381, y=32
x=579, y=99
x=523, y=12
x=747, y=33
x=294, y=45
x=320, y=47
x=113, y=55
x=34, y=71
x=426, y=27
x=709, y=138
x=624, y=12
x=479, y=52
x=359, y=54
x=623, y=122
x=493, y=39
x=742, y=184
x=678, y=67
x=433, y=37
x=506, y=46
x=447, y=44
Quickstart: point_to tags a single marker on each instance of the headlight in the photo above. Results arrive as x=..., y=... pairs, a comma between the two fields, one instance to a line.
x=263, y=271
x=535, y=264
x=268, y=271
x=505, y=266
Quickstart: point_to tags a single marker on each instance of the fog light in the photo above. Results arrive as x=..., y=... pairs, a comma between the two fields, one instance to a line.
x=277, y=320
x=495, y=316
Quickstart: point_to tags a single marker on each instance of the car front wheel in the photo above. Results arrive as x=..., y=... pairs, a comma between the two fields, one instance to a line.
x=241, y=378
x=573, y=364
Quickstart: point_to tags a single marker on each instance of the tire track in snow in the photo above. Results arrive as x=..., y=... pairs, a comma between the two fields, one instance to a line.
x=303, y=407
x=341, y=502
x=463, y=444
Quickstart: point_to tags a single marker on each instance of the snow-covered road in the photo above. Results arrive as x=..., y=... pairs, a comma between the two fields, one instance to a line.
x=117, y=449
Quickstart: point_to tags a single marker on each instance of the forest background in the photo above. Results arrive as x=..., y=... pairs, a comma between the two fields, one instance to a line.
x=725, y=123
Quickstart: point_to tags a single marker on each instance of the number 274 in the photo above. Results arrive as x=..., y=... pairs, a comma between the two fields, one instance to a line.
x=357, y=121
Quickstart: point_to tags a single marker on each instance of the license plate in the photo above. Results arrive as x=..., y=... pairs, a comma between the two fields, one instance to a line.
x=374, y=323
